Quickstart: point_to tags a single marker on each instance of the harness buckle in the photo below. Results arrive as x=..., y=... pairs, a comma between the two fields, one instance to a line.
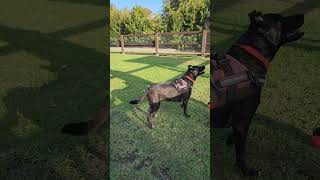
x=254, y=80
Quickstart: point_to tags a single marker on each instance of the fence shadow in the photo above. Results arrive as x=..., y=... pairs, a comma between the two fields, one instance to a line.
x=76, y=92
x=222, y=5
x=302, y=7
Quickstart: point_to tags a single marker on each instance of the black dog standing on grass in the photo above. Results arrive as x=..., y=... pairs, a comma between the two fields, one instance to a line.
x=177, y=91
x=237, y=78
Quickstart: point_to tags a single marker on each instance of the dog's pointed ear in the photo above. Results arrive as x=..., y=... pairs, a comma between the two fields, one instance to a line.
x=252, y=13
x=255, y=16
x=190, y=66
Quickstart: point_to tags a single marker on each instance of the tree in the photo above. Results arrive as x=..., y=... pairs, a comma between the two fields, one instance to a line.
x=176, y=16
x=157, y=24
x=185, y=15
x=116, y=20
x=139, y=21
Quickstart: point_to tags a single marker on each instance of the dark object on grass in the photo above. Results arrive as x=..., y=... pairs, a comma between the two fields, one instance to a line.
x=315, y=139
x=316, y=132
x=247, y=62
x=170, y=91
x=83, y=128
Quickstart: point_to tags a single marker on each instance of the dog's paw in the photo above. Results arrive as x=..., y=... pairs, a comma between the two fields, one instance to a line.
x=251, y=172
x=151, y=125
x=246, y=171
x=187, y=115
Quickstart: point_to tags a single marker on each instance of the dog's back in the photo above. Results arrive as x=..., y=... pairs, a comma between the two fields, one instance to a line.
x=163, y=91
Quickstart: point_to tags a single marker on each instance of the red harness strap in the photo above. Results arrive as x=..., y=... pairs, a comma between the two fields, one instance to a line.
x=188, y=77
x=265, y=61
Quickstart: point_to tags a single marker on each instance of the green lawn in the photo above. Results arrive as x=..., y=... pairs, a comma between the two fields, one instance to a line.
x=38, y=94
x=178, y=147
x=279, y=139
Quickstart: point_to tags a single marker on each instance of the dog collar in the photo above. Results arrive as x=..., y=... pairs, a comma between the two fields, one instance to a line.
x=252, y=51
x=188, y=77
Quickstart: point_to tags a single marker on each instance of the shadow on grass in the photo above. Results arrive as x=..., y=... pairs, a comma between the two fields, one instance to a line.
x=234, y=32
x=218, y=6
x=76, y=92
x=82, y=28
x=84, y=76
x=170, y=63
x=271, y=145
x=302, y=7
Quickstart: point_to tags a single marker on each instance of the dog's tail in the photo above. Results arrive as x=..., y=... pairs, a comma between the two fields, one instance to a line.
x=138, y=101
x=85, y=127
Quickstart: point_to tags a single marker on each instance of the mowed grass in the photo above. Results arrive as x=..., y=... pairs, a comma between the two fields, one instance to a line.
x=279, y=138
x=178, y=147
x=52, y=72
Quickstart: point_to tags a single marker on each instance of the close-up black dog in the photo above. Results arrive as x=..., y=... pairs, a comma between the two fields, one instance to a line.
x=178, y=90
x=237, y=78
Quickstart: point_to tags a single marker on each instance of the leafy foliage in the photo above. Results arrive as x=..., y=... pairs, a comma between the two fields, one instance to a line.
x=176, y=16
x=185, y=15
x=117, y=18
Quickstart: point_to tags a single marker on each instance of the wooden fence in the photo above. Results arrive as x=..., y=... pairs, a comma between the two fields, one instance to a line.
x=195, y=42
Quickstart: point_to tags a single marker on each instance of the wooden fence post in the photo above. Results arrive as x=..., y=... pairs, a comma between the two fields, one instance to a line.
x=122, y=44
x=204, y=42
x=157, y=44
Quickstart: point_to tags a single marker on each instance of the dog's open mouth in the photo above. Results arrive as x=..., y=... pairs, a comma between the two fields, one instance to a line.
x=294, y=35
x=292, y=25
x=201, y=70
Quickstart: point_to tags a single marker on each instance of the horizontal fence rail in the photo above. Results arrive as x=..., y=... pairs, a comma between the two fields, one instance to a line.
x=194, y=42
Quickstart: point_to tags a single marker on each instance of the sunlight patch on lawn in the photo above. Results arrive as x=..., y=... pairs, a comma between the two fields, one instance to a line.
x=313, y=15
x=117, y=83
x=194, y=62
x=116, y=101
x=156, y=74
x=3, y=43
x=25, y=127
x=120, y=62
x=89, y=39
x=22, y=69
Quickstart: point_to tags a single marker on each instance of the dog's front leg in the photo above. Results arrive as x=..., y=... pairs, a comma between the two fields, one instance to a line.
x=184, y=106
x=152, y=113
x=150, y=121
x=240, y=138
x=230, y=139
